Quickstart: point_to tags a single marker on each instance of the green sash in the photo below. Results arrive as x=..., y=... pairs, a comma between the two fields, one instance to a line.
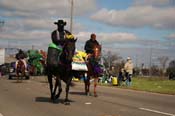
x=59, y=48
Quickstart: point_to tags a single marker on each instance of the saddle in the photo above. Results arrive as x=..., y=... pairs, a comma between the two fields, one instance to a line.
x=94, y=66
x=53, y=55
x=54, y=51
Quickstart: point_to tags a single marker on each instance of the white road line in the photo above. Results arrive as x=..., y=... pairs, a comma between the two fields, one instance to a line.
x=1, y=114
x=88, y=103
x=155, y=111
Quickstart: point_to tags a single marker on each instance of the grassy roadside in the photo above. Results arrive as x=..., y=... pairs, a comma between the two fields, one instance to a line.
x=154, y=84
x=149, y=84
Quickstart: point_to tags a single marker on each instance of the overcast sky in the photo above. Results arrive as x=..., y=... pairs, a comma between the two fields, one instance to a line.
x=136, y=28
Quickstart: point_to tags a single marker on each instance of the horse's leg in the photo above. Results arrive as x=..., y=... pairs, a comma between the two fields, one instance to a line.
x=66, y=101
x=55, y=88
x=49, y=77
x=21, y=77
x=59, y=87
x=87, y=85
x=95, y=85
x=22, y=74
x=17, y=76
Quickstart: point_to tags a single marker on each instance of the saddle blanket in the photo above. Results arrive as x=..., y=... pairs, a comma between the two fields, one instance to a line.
x=79, y=66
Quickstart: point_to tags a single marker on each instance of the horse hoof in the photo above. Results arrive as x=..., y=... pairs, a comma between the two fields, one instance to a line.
x=88, y=94
x=52, y=100
x=52, y=97
x=57, y=96
x=95, y=95
x=67, y=103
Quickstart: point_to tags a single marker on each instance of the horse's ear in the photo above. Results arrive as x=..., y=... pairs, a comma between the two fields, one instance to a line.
x=75, y=39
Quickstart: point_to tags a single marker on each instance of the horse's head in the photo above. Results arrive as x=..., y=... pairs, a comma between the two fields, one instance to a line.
x=69, y=50
x=20, y=66
x=97, y=51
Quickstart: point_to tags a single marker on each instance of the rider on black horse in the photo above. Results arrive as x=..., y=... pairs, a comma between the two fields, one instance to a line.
x=58, y=36
x=59, y=58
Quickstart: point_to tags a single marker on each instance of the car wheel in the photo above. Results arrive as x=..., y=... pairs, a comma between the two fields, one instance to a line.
x=10, y=77
x=27, y=77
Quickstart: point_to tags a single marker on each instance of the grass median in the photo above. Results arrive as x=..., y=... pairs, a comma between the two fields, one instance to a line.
x=149, y=84
x=153, y=84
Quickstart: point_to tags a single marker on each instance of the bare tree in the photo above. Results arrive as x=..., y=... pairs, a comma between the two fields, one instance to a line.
x=163, y=60
x=171, y=70
x=112, y=60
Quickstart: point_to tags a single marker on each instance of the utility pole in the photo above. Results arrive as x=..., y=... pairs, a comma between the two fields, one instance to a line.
x=32, y=47
x=71, y=17
x=136, y=60
x=150, y=64
x=109, y=59
x=2, y=22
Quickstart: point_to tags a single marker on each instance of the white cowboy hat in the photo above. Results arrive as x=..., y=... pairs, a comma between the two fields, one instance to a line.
x=128, y=58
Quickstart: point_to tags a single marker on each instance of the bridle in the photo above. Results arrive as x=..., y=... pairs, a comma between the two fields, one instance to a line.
x=65, y=58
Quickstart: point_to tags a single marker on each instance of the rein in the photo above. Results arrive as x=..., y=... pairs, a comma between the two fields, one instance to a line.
x=63, y=58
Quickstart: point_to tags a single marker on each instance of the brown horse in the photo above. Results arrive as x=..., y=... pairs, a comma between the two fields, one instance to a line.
x=20, y=70
x=92, y=73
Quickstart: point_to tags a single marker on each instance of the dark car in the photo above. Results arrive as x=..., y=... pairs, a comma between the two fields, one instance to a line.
x=4, y=69
x=172, y=76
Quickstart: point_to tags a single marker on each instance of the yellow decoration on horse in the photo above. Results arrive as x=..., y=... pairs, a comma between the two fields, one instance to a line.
x=69, y=36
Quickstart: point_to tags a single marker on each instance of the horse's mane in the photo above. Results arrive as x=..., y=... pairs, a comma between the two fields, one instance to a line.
x=69, y=45
x=20, y=66
x=20, y=63
x=97, y=50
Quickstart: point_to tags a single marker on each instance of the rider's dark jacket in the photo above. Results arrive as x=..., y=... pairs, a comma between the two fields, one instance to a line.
x=58, y=38
x=89, y=46
x=20, y=55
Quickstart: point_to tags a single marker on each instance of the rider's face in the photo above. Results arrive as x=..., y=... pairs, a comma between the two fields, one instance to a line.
x=60, y=27
x=94, y=37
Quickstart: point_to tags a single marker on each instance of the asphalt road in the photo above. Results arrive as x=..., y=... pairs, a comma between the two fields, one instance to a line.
x=31, y=98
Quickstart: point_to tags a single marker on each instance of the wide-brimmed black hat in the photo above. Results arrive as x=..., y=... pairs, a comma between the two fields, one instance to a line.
x=60, y=22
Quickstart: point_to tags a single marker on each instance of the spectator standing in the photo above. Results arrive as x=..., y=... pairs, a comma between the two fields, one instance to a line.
x=128, y=67
x=121, y=76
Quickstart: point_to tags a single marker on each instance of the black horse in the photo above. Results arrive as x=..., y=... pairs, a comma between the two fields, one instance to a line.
x=60, y=69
